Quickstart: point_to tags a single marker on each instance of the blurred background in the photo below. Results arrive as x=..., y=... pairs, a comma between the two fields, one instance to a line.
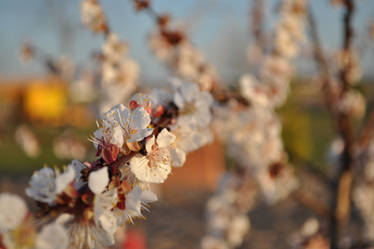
x=43, y=123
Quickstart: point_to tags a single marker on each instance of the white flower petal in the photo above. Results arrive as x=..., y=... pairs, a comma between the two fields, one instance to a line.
x=12, y=211
x=149, y=144
x=165, y=138
x=148, y=196
x=140, y=119
x=157, y=173
x=140, y=135
x=64, y=179
x=117, y=137
x=178, y=100
x=52, y=236
x=124, y=116
x=134, y=201
x=78, y=167
x=108, y=223
x=111, y=117
x=105, y=219
x=189, y=91
x=178, y=157
x=142, y=99
x=42, y=186
x=98, y=180
x=160, y=97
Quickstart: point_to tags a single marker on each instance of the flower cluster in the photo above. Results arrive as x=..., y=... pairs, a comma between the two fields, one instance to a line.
x=348, y=61
x=17, y=227
x=176, y=51
x=119, y=73
x=68, y=146
x=252, y=134
x=137, y=144
x=290, y=31
x=352, y=103
x=93, y=16
x=310, y=236
x=269, y=88
x=227, y=222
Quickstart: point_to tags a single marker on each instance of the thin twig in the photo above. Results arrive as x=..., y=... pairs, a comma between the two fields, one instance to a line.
x=341, y=202
x=330, y=95
x=257, y=24
x=341, y=186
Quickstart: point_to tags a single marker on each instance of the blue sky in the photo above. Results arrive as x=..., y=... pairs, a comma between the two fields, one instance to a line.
x=218, y=27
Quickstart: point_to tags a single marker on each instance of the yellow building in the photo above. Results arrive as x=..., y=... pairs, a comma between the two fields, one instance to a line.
x=45, y=101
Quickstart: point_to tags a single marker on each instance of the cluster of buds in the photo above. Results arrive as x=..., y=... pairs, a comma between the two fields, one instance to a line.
x=137, y=145
x=119, y=73
x=290, y=31
x=349, y=61
x=353, y=104
x=68, y=146
x=227, y=210
x=184, y=59
x=269, y=87
x=310, y=236
x=171, y=46
x=259, y=120
x=93, y=16
x=262, y=155
x=271, y=171
x=83, y=89
x=27, y=140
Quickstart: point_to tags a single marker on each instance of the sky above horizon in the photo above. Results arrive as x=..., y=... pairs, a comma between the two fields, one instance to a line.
x=219, y=28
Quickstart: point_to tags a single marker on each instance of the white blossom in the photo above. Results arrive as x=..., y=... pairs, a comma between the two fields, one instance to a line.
x=119, y=73
x=88, y=236
x=252, y=90
x=92, y=15
x=120, y=125
x=98, y=180
x=52, y=236
x=237, y=230
x=77, y=167
x=113, y=49
x=12, y=211
x=211, y=242
x=46, y=184
x=194, y=105
x=43, y=185
x=27, y=140
x=106, y=215
x=64, y=179
x=276, y=188
x=156, y=165
x=136, y=200
x=352, y=103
